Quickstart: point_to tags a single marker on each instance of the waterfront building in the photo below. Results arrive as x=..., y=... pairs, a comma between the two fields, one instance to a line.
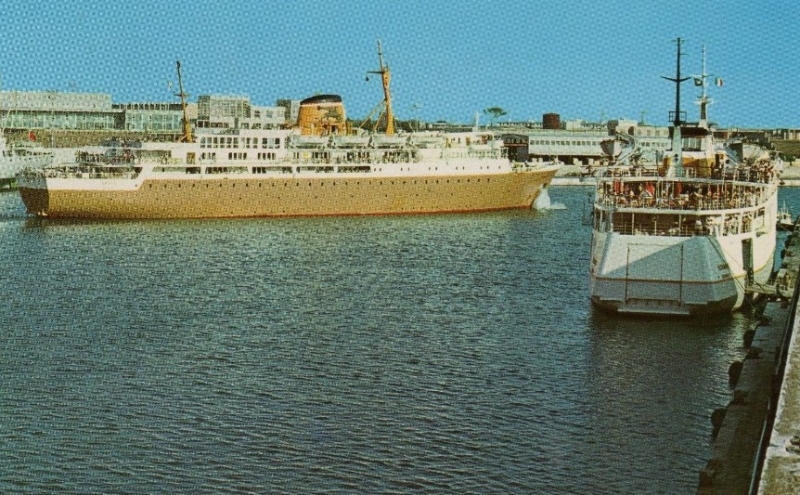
x=59, y=110
x=576, y=142
x=237, y=112
x=292, y=110
x=154, y=117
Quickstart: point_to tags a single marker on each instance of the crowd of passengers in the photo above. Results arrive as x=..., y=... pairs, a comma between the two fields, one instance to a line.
x=682, y=195
x=699, y=226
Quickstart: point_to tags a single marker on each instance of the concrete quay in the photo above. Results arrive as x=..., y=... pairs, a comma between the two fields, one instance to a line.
x=780, y=471
x=756, y=446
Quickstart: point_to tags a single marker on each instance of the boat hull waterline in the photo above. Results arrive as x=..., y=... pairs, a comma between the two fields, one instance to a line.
x=275, y=197
x=690, y=276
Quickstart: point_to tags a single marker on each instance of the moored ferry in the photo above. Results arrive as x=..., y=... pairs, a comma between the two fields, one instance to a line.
x=320, y=167
x=688, y=236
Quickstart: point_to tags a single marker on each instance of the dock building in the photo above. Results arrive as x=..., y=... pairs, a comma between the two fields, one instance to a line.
x=58, y=110
x=576, y=142
x=237, y=112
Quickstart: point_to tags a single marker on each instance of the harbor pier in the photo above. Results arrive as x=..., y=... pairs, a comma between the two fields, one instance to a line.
x=756, y=448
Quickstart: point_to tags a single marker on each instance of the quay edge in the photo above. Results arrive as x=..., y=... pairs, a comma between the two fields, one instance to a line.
x=756, y=436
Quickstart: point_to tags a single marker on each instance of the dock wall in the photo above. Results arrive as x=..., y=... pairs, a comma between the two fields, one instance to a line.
x=745, y=445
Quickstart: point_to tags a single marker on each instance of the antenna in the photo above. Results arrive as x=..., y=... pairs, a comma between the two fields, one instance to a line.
x=704, y=100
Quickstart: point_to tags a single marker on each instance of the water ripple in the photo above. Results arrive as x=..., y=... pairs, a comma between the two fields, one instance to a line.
x=429, y=354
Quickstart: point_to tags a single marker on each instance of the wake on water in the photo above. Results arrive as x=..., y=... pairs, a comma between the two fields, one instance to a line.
x=543, y=202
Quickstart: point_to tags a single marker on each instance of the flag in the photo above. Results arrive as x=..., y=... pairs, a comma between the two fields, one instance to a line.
x=698, y=81
x=719, y=82
x=169, y=85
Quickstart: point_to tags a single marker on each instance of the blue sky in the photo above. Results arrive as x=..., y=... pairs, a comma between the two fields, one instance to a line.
x=580, y=59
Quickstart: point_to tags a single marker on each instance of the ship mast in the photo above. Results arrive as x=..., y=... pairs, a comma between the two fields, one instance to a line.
x=704, y=96
x=676, y=168
x=187, y=128
x=387, y=95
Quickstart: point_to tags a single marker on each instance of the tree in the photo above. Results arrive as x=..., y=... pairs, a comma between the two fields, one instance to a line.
x=494, y=113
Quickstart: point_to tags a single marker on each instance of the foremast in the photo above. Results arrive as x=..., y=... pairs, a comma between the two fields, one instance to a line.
x=676, y=166
x=387, y=95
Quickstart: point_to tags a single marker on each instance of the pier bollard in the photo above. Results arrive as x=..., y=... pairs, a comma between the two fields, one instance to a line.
x=707, y=474
x=717, y=417
x=734, y=371
x=748, y=338
x=739, y=397
x=754, y=353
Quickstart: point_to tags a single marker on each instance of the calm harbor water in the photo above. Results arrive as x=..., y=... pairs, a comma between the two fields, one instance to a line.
x=415, y=354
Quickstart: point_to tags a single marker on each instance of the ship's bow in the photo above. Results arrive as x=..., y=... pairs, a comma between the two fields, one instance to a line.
x=32, y=186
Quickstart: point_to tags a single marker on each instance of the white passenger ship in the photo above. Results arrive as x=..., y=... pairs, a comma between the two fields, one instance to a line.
x=686, y=237
x=319, y=168
x=14, y=158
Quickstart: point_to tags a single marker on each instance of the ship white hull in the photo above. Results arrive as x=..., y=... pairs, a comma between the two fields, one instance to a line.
x=635, y=274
